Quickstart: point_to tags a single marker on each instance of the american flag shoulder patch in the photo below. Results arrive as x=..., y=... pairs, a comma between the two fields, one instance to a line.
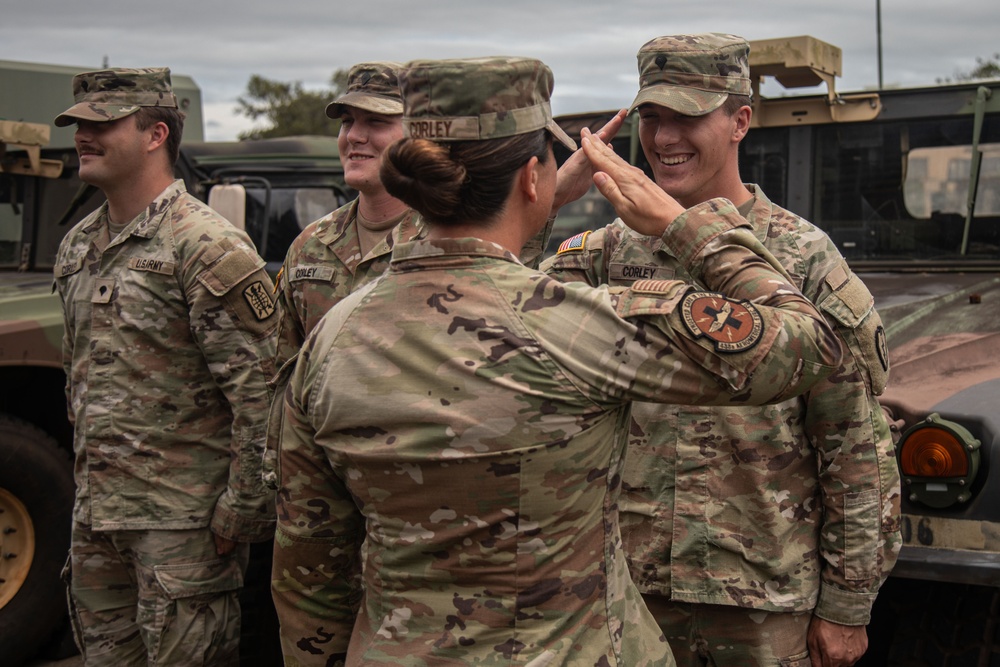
x=578, y=242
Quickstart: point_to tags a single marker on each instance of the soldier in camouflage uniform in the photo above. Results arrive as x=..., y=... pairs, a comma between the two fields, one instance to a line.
x=749, y=529
x=351, y=246
x=169, y=341
x=473, y=438
x=346, y=249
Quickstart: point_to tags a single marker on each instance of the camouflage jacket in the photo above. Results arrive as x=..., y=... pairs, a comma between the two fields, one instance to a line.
x=323, y=265
x=787, y=507
x=462, y=417
x=169, y=340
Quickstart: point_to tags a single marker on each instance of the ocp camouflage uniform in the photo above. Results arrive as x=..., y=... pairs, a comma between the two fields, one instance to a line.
x=169, y=339
x=474, y=440
x=786, y=508
x=324, y=265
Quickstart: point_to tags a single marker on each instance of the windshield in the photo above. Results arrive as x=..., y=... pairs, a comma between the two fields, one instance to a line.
x=889, y=190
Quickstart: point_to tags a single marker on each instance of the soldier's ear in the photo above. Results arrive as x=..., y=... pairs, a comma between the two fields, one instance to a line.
x=528, y=179
x=742, y=118
x=158, y=135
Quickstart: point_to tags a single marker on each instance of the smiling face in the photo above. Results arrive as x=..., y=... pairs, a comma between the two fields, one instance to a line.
x=110, y=152
x=363, y=137
x=694, y=158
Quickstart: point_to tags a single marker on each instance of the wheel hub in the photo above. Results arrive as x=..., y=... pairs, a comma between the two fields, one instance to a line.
x=17, y=545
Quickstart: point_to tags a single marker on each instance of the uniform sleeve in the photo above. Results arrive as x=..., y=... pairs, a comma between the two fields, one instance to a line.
x=860, y=487
x=531, y=253
x=582, y=258
x=67, y=343
x=752, y=339
x=291, y=330
x=233, y=320
x=316, y=576
x=291, y=334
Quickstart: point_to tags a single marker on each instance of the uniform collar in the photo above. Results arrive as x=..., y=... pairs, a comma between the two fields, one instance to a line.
x=423, y=249
x=330, y=235
x=148, y=221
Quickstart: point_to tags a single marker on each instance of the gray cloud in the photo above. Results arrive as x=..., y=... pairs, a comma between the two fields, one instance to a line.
x=589, y=45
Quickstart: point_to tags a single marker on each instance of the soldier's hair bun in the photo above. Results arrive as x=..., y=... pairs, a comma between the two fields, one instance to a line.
x=459, y=182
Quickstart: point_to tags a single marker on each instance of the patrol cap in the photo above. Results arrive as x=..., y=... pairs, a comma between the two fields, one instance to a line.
x=372, y=87
x=478, y=98
x=692, y=74
x=110, y=94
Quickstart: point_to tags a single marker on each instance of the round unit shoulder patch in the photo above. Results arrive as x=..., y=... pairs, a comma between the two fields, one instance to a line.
x=734, y=326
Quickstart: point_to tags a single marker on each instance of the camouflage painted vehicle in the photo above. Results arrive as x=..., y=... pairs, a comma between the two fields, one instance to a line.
x=272, y=187
x=907, y=183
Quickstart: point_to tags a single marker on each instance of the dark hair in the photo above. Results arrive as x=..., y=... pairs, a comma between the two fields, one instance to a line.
x=147, y=117
x=734, y=102
x=458, y=182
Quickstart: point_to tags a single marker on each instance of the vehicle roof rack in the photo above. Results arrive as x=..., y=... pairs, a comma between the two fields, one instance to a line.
x=798, y=62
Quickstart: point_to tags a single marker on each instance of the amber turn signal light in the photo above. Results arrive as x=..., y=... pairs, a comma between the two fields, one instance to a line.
x=939, y=461
x=933, y=452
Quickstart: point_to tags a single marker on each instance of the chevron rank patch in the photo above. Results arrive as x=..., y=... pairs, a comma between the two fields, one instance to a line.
x=578, y=242
x=733, y=326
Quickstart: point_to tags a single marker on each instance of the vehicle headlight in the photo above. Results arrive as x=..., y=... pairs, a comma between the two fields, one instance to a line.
x=938, y=460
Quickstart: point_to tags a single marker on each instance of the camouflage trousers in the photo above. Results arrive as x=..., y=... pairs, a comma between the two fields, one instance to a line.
x=154, y=597
x=708, y=635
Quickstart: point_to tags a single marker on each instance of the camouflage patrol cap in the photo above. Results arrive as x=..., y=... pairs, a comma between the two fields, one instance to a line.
x=111, y=94
x=692, y=74
x=372, y=87
x=478, y=98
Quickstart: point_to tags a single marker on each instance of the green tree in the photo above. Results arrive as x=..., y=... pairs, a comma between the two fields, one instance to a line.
x=986, y=68
x=289, y=109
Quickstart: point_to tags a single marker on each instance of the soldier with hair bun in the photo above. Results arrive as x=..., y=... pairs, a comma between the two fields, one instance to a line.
x=462, y=415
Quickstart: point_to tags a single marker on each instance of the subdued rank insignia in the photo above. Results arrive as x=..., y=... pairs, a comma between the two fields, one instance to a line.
x=259, y=300
x=578, y=242
x=882, y=347
x=734, y=326
x=104, y=289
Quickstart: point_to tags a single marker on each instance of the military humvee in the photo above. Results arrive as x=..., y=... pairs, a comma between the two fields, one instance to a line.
x=273, y=188
x=907, y=183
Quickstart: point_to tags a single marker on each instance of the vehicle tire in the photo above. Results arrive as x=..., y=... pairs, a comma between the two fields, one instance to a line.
x=36, y=504
x=939, y=624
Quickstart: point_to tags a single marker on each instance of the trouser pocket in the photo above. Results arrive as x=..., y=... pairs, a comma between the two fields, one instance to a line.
x=74, y=616
x=192, y=615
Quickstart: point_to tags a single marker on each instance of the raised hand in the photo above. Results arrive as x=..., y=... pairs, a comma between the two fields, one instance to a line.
x=639, y=202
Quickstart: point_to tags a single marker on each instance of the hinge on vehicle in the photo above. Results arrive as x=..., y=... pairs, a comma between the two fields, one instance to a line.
x=25, y=257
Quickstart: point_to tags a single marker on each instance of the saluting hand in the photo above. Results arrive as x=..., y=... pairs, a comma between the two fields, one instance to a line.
x=639, y=202
x=576, y=174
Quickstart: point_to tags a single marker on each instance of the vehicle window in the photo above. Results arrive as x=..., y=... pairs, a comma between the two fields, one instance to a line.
x=897, y=190
x=291, y=209
x=10, y=222
x=937, y=181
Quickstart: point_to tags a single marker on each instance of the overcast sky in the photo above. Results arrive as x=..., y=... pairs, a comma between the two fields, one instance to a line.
x=589, y=45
